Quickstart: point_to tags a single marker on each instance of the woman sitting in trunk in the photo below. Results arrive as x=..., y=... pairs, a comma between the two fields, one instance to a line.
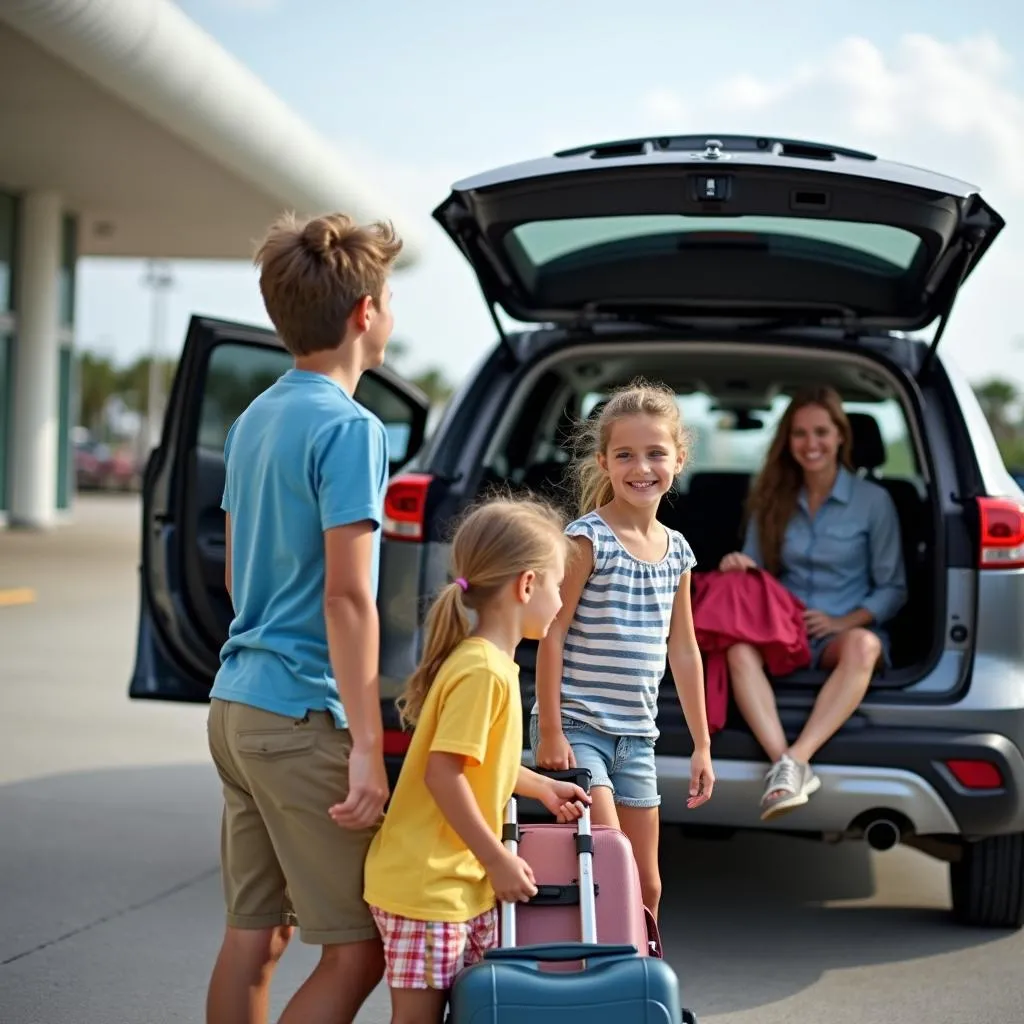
x=833, y=540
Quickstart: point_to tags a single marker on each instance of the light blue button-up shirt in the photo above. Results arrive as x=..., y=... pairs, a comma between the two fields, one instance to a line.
x=848, y=556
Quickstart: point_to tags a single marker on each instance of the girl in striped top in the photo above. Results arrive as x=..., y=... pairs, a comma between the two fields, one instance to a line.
x=625, y=607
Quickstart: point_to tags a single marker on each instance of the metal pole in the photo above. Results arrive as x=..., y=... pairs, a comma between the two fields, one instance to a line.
x=159, y=278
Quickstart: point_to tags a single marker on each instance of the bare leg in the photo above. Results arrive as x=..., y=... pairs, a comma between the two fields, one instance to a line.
x=418, y=1005
x=853, y=656
x=240, y=985
x=332, y=994
x=602, y=808
x=641, y=825
x=756, y=699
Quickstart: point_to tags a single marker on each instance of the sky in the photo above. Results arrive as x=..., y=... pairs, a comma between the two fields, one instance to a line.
x=418, y=95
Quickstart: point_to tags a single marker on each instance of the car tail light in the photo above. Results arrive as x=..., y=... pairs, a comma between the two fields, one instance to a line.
x=976, y=774
x=396, y=741
x=404, y=506
x=1002, y=534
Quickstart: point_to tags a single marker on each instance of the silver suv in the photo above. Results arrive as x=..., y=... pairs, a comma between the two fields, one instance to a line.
x=736, y=270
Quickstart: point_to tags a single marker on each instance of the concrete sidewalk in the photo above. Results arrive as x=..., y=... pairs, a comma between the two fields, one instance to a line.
x=67, y=655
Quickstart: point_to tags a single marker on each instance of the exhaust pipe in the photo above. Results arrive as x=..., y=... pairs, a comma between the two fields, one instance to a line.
x=882, y=834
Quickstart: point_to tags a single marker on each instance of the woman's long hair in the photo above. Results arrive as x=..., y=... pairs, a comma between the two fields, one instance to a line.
x=496, y=542
x=773, y=497
x=640, y=398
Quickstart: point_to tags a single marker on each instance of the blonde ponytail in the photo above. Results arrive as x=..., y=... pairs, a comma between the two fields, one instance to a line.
x=495, y=543
x=594, y=485
x=447, y=626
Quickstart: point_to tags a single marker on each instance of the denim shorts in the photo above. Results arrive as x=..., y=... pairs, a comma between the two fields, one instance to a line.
x=625, y=764
x=818, y=645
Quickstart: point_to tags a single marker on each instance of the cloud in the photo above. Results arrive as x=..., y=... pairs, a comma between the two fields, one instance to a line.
x=950, y=106
x=665, y=106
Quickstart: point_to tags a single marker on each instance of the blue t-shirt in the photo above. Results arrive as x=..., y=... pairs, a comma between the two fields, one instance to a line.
x=304, y=457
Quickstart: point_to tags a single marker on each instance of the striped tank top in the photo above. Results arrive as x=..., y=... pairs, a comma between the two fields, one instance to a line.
x=616, y=647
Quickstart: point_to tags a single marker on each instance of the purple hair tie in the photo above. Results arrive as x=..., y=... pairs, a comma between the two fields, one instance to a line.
x=462, y=583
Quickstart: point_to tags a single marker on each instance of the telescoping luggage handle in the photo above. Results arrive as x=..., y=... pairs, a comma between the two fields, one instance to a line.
x=585, y=857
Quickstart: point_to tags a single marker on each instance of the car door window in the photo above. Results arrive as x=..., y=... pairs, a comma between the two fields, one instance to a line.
x=237, y=373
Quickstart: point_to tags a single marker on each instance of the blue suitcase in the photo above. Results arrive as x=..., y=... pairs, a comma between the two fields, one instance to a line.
x=614, y=986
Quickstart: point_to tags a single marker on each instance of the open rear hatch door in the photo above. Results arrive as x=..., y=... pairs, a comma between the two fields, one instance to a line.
x=734, y=230
x=184, y=608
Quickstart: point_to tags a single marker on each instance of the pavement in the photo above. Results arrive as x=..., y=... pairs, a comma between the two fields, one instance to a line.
x=110, y=906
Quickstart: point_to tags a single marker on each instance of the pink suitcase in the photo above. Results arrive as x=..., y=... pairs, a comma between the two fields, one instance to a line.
x=559, y=856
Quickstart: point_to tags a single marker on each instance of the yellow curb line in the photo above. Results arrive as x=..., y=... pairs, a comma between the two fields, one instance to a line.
x=17, y=595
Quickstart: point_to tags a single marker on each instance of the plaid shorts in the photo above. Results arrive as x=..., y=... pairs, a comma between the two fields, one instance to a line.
x=428, y=954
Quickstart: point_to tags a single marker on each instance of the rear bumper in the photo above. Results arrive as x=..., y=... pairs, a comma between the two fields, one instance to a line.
x=873, y=772
x=849, y=796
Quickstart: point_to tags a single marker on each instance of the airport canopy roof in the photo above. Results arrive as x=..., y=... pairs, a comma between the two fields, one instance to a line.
x=162, y=142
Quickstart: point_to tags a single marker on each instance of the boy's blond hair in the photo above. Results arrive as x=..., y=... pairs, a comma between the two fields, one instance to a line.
x=313, y=272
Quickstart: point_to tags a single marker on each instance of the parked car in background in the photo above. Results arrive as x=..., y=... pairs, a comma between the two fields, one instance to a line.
x=124, y=472
x=100, y=467
x=91, y=462
x=736, y=270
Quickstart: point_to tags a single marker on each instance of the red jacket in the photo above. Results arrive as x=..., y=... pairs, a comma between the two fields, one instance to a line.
x=745, y=607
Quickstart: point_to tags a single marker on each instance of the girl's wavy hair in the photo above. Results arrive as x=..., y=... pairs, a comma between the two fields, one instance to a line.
x=639, y=398
x=496, y=542
x=775, y=492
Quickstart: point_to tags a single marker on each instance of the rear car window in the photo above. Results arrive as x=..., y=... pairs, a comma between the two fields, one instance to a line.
x=724, y=441
x=878, y=247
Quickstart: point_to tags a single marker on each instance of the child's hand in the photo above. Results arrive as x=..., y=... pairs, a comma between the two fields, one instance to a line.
x=564, y=800
x=555, y=752
x=511, y=878
x=702, y=779
x=367, y=791
x=736, y=561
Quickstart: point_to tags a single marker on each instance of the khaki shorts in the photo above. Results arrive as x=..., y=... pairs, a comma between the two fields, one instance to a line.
x=283, y=859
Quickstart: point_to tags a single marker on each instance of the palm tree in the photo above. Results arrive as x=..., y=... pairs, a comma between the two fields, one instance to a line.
x=98, y=383
x=999, y=399
x=431, y=381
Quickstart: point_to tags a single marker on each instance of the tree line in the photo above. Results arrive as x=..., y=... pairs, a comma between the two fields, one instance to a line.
x=101, y=379
x=1003, y=404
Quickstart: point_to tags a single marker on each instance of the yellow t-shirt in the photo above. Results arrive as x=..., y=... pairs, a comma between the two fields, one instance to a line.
x=417, y=865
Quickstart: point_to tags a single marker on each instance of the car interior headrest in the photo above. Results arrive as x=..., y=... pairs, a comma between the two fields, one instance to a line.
x=868, y=446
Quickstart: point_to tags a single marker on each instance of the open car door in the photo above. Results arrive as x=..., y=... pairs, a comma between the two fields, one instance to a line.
x=184, y=608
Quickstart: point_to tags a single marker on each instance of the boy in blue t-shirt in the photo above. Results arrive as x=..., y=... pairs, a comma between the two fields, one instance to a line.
x=295, y=724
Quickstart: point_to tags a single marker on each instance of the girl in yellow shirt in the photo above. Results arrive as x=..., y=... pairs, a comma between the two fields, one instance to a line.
x=437, y=866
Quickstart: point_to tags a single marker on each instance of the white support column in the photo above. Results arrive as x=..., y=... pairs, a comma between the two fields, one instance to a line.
x=33, y=490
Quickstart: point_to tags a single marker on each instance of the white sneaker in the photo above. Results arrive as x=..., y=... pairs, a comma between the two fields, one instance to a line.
x=788, y=785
